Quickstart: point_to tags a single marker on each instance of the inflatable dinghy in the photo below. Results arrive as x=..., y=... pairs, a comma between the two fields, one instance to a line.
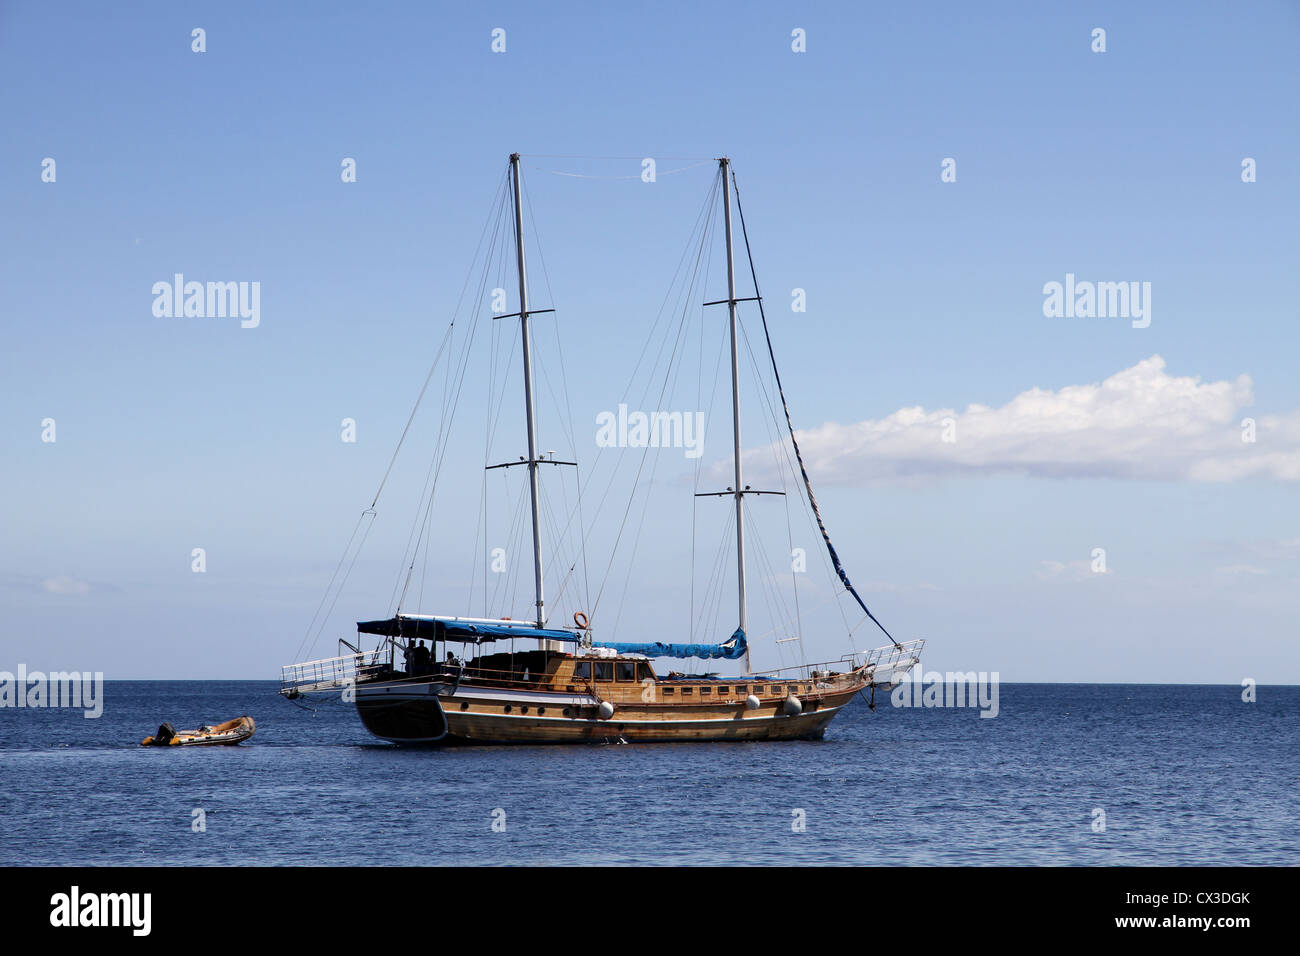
x=231, y=732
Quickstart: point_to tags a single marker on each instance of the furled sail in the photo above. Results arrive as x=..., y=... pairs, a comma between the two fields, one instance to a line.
x=731, y=649
x=807, y=482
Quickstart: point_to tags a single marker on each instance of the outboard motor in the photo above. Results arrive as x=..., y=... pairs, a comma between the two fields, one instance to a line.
x=165, y=733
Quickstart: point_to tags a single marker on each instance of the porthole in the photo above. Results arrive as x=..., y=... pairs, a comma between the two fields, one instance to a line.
x=540, y=711
x=523, y=709
x=464, y=705
x=508, y=708
x=565, y=712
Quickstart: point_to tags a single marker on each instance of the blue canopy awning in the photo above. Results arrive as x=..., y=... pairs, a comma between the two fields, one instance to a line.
x=731, y=649
x=417, y=628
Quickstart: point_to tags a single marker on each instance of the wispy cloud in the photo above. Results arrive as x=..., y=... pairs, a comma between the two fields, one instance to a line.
x=61, y=584
x=1140, y=423
x=65, y=585
x=1236, y=570
x=1068, y=571
x=891, y=587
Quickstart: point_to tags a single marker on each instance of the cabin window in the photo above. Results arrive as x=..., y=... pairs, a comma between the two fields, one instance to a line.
x=669, y=691
x=686, y=690
x=604, y=670
x=706, y=690
x=582, y=670
x=723, y=690
x=626, y=670
x=643, y=671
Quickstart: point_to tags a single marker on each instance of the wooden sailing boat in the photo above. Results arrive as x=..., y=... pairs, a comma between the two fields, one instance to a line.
x=572, y=688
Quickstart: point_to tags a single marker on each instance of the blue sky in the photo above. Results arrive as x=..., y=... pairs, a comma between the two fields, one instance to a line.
x=225, y=165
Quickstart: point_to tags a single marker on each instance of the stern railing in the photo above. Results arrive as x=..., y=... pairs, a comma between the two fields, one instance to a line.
x=331, y=673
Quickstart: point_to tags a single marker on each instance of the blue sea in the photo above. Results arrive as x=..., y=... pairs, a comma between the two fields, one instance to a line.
x=1183, y=775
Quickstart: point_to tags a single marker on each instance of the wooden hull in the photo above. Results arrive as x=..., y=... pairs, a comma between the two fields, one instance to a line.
x=438, y=714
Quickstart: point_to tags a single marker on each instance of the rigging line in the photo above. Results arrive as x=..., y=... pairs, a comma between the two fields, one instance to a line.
x=329, y=587
x=519, y=546
x=346, y=575
x=419, y=398
x=676, y=345
x=708, y=416
x=690, y=614
x=578, y=484
x=701, y=218
x=721, y=564
x=568, y=407
x=440, y=453
x=480, y=530
x=673, y=159
x=788, y=461
x=640, y=468
x=494, y=421
x=658, y=173
x=773, y=597
x=726, y=544
x=779, y=451
x=702, y=221
x=557, y=559
x=451, y=400
x=567, y=423
x=505, y=584
x=494, y=219
x=835, y=558
x=446, y=335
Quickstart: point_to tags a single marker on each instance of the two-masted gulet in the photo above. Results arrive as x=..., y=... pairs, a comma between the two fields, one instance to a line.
x=572, y=688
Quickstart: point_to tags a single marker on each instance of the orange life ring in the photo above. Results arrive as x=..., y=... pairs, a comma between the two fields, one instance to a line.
x=581, y=620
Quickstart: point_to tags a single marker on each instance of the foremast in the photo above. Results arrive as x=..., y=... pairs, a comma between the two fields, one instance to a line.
x=741, y=616
x=528, y=396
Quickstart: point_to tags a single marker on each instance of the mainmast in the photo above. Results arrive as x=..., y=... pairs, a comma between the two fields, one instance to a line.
x=725, y=165
x=528, y=393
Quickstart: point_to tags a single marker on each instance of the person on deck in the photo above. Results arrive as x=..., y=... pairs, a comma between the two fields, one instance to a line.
x=421, y=658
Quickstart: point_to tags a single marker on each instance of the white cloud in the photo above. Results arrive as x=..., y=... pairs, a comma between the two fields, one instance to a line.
x=1141, y=423
x=65, y=585
x=891, y=587
x=1240, y=569
x=1068, y=571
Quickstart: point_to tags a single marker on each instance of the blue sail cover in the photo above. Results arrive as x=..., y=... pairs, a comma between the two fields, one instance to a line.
x=731, y=649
